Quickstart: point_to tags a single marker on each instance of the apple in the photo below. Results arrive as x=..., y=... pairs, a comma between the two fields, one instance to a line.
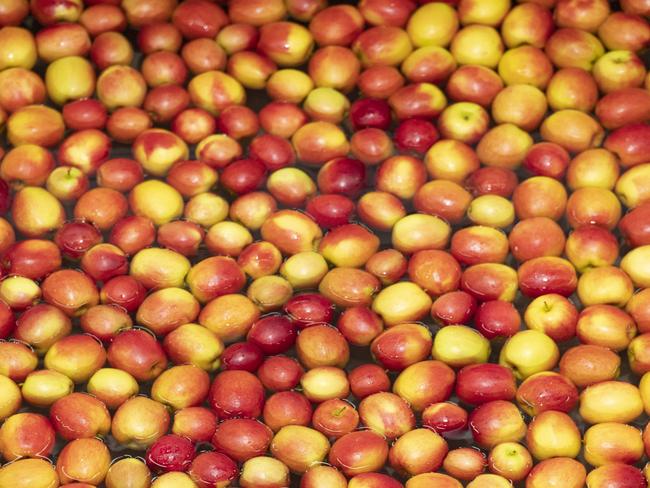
x=477, y=45
x=78, y=356
x=610, y=401
x=528, y=23
x=286, y=408
x=299, y=447
x=630, y=188
x=593, y=168
x=603, y=444
x=445, y=418
x=450, y=160
x=386, y=414
x=128, y=470
x=112, y=386
x=436, y=375
x=323, y=476
x=367, y=379
x=493, y=149
x=536, y=237
x=359, y=452
x=40, y=388
x=529, y=352
x=83, y=460
x=614, y=473
x=554, y=315
x=335, y=418
x=565, y=471
x=460, y=345
x=591, y=246
x=495, y=422
x=264, y=472
x=572, y=88
x=474, y=83
x=522, y=105
x=624, y=31
x=511, y=460
x=464, y=463
x=618, y=69
x=525, y=65
x=481, y=383
x=429, y=64
x=26, y=435
x=428, y=457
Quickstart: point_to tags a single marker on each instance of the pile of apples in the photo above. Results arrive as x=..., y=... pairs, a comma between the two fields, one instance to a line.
x=281, y=243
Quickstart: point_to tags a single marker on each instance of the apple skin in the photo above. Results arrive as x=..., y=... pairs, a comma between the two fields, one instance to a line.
x=242, y=439
x=622, y=107
x=78, y=356
x=264, y=472
x=630, y=187
x=567, y=439
x=490, y=281
x=547, y=391
x=606, y=325
x=588, y=364
x=299, y=447
x=130, y=470
x=590, y=245
x=554, y=315
x=573, y=48
x=495, y=422
x=497, y=318
x=629, y=143
x=26, y=435
x=438, y=377
x=588, y=132
x=386, y=414
x=529, y=352
x=229, y=402
x=432, y=479
x=481, y=383
x=616, y=474
x=388, y=266
x=286, y=408
x=612, y=442
x=605, y=285
x=622, y=30
x=492, y=181
x=547, y=159
x=83, y=460
x=437, y=272
x=80, y=415
x=138, y=353
x=368, y=379
x=528, y=23
x=639, y=310
x=456, y=307
x=318, y=345
x=373, y=480
x=536, y=237
x=335, y=418
x=445, y=418
x=610, y=401
x=323, y=476
x=511, y=460
x=428, y=457
x=540, y=196
x=572, y=88
x=561, y=471
x=359, y=452
x=280, y=373
x=543, y=275
x=474, y=83
x=635, y=225
x=464, y=463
